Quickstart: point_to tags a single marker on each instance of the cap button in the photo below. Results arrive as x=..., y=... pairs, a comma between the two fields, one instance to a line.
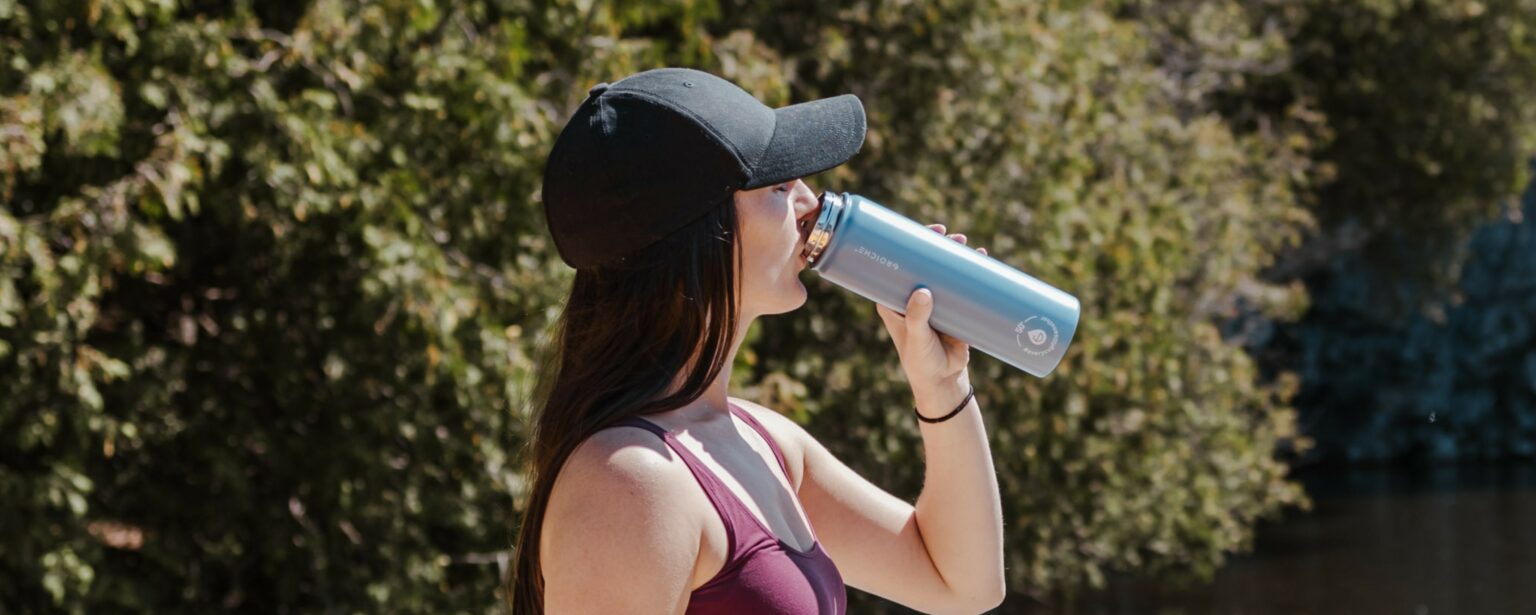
x=597, y=89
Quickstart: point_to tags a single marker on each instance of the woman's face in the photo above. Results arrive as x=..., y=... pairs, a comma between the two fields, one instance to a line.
x=770, y=246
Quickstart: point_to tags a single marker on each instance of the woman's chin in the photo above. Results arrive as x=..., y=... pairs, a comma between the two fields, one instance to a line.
x=794, y=296
x=799, y=290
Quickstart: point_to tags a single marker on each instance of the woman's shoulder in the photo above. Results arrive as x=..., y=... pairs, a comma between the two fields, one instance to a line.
x=620, y=454
x=622, y=509
x=621, y=473
x=774, y=421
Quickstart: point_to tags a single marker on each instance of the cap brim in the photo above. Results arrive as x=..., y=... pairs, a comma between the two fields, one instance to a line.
x=809, y=138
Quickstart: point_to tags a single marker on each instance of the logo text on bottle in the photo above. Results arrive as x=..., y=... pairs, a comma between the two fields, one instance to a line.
x=877, y=258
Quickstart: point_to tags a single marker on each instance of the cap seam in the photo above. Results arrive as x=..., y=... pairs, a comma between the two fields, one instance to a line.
x=701, y=122
x=601, y=111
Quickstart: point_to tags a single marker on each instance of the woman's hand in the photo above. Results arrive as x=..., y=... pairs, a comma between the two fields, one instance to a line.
x=935, y=363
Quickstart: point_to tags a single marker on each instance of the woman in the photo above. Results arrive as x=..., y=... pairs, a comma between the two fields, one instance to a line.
x=678, y=198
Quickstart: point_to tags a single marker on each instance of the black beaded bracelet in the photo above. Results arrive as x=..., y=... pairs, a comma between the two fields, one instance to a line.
x=952, y=413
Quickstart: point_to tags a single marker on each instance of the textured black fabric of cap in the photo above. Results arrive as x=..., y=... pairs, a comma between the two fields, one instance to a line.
x=654, y=151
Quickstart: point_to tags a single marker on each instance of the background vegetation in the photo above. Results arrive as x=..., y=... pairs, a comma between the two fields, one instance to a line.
x=273, y=277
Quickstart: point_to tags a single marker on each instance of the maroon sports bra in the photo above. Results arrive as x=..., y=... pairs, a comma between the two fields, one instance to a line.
x=761, y=574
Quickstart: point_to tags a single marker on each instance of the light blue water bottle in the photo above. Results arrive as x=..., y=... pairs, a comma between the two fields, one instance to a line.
x=883, y=256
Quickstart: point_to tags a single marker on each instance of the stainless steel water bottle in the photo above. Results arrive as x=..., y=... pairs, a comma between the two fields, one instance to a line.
x=883, y=256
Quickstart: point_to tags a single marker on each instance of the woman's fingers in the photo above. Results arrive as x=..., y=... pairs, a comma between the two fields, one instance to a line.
x=960, y=237
x=938, y=227
x=919, y=308
x=895, y=324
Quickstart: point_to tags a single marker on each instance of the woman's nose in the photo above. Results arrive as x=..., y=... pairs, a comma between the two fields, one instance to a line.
x=806, y=205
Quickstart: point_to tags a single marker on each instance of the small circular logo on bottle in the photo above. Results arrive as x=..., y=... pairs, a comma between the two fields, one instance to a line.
x=1037, y=335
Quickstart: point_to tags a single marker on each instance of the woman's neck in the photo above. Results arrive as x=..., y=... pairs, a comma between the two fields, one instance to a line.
x=714, y=401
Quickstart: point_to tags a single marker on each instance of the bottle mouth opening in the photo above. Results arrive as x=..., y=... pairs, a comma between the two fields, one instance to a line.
x=820, y=234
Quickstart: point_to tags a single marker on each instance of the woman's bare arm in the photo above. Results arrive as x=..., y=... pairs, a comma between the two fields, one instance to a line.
x=617, y=534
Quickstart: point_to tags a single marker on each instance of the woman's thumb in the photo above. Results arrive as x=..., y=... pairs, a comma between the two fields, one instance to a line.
x=919, y=307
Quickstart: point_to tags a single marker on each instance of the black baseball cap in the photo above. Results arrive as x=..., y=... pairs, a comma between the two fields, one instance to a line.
x=648, y=154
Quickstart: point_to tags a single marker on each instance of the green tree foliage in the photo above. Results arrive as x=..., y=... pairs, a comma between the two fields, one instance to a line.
x=267, y=270
x=1430, y=105
x=1427, y=134
x=1429, y=128
x=274, y=280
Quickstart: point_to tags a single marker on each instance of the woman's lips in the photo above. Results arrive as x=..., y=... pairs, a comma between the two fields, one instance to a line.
x=803, y=226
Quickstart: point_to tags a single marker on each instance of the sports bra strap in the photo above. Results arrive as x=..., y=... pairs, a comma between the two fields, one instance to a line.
x=763, y=431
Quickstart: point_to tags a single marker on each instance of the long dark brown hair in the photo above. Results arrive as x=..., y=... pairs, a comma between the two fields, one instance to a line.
x=627, y=331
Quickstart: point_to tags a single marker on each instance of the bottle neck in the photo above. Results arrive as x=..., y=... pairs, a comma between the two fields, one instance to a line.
x=832, y=205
